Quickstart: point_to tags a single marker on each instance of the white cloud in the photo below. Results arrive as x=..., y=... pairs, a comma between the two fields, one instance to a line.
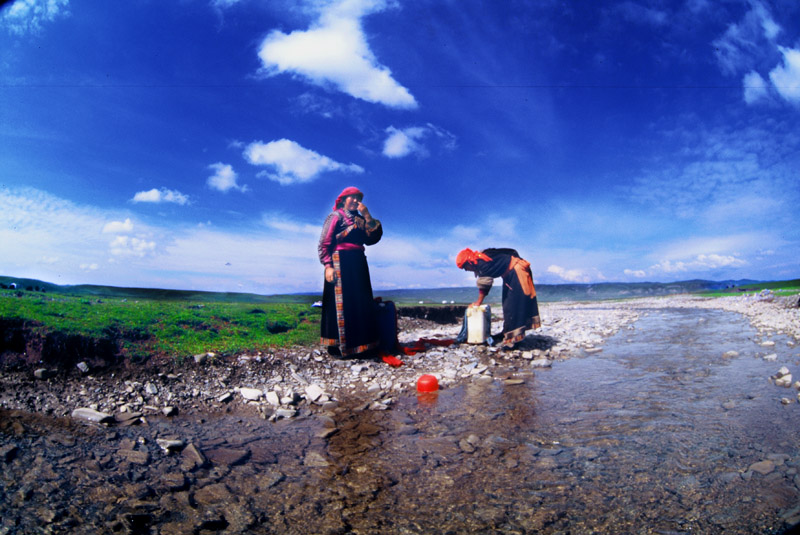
x=334, y=53
x=162, y=195
x=224, y=4
x=569, y=275
x=704, y=172
x=786, y=77
x=641, y=14
x=45, y=237
x=292, y=163
x=740, y=46
x=638, y=273
x=282, y=223
x=24, y=16
x=402, y=142
x=131, y=246
x=224, y=178
x=755, y=87
x=702, y=262
x=770, y=28
x=118, y=227
x=707, y=246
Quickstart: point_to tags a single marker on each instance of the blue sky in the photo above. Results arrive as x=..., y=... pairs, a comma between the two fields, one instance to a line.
x=199, y=144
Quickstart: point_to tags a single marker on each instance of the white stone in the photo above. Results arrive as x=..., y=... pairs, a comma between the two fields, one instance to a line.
x=273, y=398
x=285, y=413
x=251, y=394
x=314, y=392
x=785, y=381
x=92, y=415
x=771, y=358
x=170, y=445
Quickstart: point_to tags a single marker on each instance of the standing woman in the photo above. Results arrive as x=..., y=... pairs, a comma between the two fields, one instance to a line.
x=520, y=308
x=349, y=326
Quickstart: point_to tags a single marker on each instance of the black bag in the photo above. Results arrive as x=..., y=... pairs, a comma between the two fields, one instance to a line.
x=386, y=312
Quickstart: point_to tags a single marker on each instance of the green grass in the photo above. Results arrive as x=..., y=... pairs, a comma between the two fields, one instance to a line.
x=780, y=288
x=178, y=328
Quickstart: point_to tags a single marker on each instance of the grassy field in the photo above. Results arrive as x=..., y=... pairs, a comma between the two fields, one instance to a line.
x=178, y=328
x=780, y=288
x=144, y=323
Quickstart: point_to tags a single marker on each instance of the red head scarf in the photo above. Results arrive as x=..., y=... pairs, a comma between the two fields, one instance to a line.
x=346, y=192
x=468, y=256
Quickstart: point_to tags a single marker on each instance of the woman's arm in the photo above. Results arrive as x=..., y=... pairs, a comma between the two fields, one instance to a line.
x=373, y=228
x=327, y=240
x=484, y=286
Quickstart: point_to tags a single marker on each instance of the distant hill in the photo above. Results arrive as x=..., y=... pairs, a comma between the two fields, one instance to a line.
x=546, y=292
x=151, y=293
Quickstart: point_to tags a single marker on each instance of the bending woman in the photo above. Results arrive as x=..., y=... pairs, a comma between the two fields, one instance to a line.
x=349, y=325
x=520, y=308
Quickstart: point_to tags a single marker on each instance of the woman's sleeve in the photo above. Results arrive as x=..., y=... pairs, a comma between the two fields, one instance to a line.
x=374, y=233
x=327, y=240
x=485, y=284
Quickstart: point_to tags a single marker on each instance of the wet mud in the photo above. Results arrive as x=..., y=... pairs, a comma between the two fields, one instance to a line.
x=674, y=427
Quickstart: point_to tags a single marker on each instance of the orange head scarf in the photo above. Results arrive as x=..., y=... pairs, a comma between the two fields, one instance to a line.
x=468, y=256
x=346, y=192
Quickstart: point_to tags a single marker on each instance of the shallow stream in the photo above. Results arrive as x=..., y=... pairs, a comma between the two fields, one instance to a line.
x=661, y=432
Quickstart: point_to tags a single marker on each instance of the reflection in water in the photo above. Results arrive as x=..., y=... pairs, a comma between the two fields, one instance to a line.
x=656, y=434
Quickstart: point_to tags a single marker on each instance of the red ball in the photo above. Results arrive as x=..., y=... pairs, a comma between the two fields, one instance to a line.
x=427, y=383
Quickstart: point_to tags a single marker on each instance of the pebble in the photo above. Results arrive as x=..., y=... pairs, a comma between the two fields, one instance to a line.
x=762, y=467
x=170, y=445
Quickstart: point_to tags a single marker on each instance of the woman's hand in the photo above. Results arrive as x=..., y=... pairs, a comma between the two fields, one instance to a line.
x=330, y=274
x=368, y=219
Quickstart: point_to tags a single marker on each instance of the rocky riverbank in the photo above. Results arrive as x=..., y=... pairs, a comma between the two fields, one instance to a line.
x=286, y=382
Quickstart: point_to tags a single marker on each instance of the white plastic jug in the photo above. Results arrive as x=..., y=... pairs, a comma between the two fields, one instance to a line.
x=479, y=323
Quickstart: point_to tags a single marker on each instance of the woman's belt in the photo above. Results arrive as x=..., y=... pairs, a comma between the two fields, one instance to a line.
x=348, y=247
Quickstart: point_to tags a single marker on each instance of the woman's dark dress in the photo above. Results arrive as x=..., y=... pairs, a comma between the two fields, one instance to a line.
x=520, y=310
x=348, y=325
